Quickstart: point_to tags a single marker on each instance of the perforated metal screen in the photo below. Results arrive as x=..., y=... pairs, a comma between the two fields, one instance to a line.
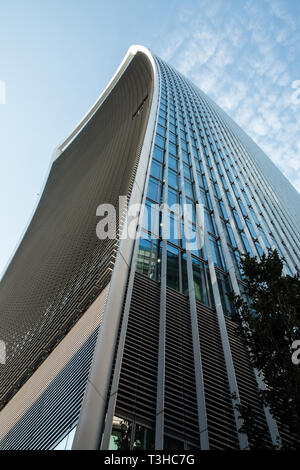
x=60, y=265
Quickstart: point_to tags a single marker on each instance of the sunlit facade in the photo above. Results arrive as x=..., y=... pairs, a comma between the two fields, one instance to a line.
x=166, y=370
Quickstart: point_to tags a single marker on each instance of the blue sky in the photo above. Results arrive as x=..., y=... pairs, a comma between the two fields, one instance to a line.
x=56, y=56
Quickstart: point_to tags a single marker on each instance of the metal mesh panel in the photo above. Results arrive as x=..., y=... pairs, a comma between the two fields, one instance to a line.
x=61, y=266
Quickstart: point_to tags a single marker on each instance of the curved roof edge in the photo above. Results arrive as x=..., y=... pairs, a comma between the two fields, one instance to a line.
x=132, y=51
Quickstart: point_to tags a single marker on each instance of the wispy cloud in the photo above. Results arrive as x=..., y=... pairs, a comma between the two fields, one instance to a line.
x=246, y=56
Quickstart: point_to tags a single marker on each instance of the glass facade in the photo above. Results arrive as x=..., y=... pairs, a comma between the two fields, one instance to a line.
x=197, y=159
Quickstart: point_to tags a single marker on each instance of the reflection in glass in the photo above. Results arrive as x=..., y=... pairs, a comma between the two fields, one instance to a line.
x=67, y=442
x=120, y=435
x=173, y=267
x=144, y=438
x=199, y=281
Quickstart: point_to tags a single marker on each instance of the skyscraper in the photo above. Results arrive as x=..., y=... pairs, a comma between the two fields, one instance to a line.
x=129, y=339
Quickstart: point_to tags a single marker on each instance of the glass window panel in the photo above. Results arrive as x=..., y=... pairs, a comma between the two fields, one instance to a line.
x=172, y=128
x=163, y=114
x=154, y=190
x=208, y=222
x=173, y=163
x=185, y=157
x=200, y=286
x=161, y=130
x=254, y=216
x=217, y=253
x=186, y=171
x=172, y=149
x=172, y=138
x=237, y=219
x=121, y=434
x=173, y=179
x=67, y=442
x=251, y=229
x=190, y=211
x=223, y=210
x=173, y=227
x=246, y=244
x=143, y=258
x=265, y=224
x=188, y=189
x=267, y=244
x=144, y=439
x=173, y=267
x=225, y=185
x=224, y=289
x=185, y=285
x=161, y=121
x=209, y=201
x=156, y=169
x=246, y=199
x=230, y=235
x=200, y=180
x=243, y=209
x=217, y=191
x=160, y=141
x=205, y=182
x=158, y=153
x=259, y=249
x=172, y=197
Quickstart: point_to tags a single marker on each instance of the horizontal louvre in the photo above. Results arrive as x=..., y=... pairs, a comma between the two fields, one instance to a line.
x=246, y=380
x=57, y=409
x=221, y=424
x=181, y=416
x=137, y=386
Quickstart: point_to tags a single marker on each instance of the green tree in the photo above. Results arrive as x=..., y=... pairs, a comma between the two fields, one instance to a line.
x=271, y=310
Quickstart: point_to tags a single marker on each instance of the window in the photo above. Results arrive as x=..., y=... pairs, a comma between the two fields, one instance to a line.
x=172, y=149
x=121, y=434
x=173, y=227
x=246, y=244
x=217, y=253
x=148, y=259
x=225, y=290
x=172, y=197
x=158, y=153
x=127, y=435
x=173, y=267
x=161, y=130
x=199, y=281
x=223, y=210
x=173, y=179
x=156, y=170
x=188, y=189
x=143, y=259
x=251, y=229
x=232, y=240
x=160, y=141
x=154, y=190
x=237, y=220
x=144, y=438
x=67, y=442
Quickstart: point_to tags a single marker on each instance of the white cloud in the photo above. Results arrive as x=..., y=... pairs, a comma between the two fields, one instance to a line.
x=245, y=60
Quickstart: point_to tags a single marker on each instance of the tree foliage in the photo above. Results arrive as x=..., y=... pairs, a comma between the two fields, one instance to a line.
x=271, y=309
